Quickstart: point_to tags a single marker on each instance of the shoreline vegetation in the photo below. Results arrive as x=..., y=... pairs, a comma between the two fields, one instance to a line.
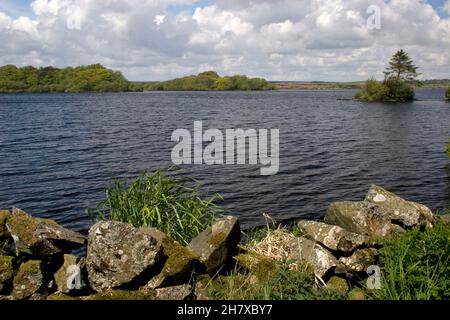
x=97, y=78
x=151, y=219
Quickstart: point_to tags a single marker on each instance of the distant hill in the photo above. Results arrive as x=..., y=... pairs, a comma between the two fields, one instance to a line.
x=92, y=78
x=211, y=81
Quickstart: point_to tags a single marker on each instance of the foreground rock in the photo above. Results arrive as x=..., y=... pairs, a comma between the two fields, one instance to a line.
x=319, y=258
x=333, y=237
x=180, y=264
x=360, y=260
x=407, y=213
x=6, y=272
x=180, y=293
x=6, y=244
x=118, y=253
x=363, y=218
x=40, y=237
x=217, y=244
x=281, y=245
x=28, y=280
x=68, y=277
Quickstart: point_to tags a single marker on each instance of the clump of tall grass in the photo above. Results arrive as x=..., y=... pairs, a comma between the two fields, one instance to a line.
x=158, y=200
x=416, y=266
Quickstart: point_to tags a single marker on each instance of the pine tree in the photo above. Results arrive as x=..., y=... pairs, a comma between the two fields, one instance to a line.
x=401, y=68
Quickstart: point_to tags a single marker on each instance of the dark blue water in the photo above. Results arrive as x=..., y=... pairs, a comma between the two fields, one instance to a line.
x=59, y=151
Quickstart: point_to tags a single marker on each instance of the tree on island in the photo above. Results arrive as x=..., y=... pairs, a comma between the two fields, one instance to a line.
x=397, y=84
x=447, y=94
x=401, y=68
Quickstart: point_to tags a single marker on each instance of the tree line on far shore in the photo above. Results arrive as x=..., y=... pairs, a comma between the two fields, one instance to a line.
x=398, y=84
x=92, y=78
x=97, y=78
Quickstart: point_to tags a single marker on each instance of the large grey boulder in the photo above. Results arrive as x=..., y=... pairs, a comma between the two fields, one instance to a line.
x=310, y=252
x=332, y=237
x=6, y=271
x=217, y=244
x=118, y=253
x=28, y=280
x=363, y=218
x=360, y=260
x=407, y=213
x=40, y=237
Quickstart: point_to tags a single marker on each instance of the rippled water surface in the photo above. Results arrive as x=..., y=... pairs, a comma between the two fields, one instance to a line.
x=59, y=151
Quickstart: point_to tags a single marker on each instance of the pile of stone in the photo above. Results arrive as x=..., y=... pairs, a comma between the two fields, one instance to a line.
x=346, y=243
x=123, y=262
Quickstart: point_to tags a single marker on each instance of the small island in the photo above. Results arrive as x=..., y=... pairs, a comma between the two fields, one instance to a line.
x=397, y=85
x=211, y=81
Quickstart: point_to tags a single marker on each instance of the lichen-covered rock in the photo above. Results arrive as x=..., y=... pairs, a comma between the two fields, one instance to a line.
x=407, y=213
x=360, y=260
x=123, y=295
x=179, y=293
x=6, y=271
x=118, y=253
x=6, y=243
x=68, y=277
x=179, y=266
x=257, y=264
x=310, y=252
x=28, y=280
x=217, y=244
x=363, y=218
x=41, y=237
x=338, y=285
x=356, y=294
x=333, y=237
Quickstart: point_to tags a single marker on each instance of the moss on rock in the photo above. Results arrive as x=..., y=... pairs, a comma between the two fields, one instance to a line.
x=6, y=271
x=28, y=280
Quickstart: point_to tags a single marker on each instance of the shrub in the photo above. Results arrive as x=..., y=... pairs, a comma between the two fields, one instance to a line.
x=373, y=91
x=447, y=94
x=157, y=200
x=416, y=266
x=400, y=91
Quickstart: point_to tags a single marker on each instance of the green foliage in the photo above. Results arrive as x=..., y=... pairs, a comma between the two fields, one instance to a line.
x=157, y=200
x=285, y=284
x=93, y=78
x=373, y=91
x=209, y=81
x=397, y=85
x=401, y=68
x=416, y=266
x=388, y=91
x=447, y=94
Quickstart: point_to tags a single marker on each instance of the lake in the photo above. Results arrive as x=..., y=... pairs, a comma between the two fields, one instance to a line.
x=59, y=151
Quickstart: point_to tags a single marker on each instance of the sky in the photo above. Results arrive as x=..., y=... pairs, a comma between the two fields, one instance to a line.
x=294, y=40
